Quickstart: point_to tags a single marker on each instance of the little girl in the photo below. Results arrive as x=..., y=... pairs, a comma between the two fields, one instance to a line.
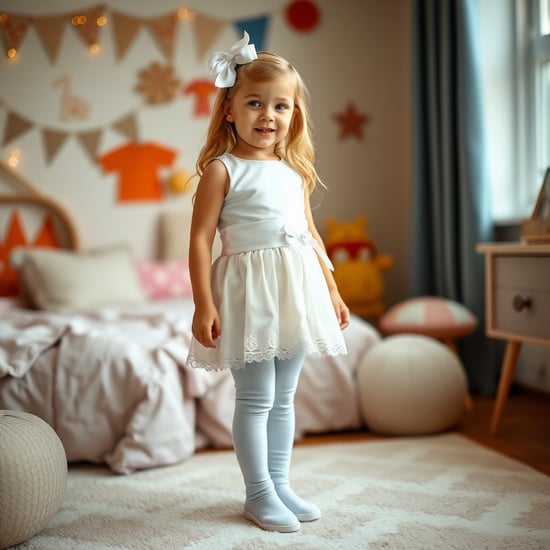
x=270, y=298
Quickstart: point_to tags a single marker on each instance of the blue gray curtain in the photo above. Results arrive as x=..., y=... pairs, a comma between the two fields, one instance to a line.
x=450, y=198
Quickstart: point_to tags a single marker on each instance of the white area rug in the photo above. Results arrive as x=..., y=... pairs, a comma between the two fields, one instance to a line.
x=441, y=492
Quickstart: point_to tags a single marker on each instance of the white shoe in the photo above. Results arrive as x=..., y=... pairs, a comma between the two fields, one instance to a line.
x=270, y=525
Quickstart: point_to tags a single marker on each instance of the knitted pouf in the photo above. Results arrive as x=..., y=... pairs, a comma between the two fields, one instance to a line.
x=33, y=476
x=411, y=385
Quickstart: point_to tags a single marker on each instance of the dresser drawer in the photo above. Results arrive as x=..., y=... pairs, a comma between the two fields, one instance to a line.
x=521, y=295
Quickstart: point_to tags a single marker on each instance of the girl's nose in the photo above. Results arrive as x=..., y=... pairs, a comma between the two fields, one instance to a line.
x=267, y=114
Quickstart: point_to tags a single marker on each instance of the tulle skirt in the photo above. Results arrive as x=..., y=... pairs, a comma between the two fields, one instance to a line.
x=273, y=302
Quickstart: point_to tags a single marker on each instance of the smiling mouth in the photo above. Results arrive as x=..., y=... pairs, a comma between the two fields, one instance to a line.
x=265, y=130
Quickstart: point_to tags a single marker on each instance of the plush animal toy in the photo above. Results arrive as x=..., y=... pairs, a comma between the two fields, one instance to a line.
x=357, y=266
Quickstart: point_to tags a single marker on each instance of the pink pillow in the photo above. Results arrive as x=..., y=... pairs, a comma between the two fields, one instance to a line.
x=164, y=279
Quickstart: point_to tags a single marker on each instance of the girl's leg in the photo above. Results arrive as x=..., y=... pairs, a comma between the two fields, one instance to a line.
x=255, y=391
x=280, y=433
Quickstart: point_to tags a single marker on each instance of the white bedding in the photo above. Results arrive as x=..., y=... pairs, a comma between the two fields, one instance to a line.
x=114, y=385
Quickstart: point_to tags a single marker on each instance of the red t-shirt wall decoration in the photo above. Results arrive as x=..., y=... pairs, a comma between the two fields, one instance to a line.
x=137, y=166
x=201, y=89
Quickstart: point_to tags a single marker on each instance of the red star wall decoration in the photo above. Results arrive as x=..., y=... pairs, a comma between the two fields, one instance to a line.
x=351, y=122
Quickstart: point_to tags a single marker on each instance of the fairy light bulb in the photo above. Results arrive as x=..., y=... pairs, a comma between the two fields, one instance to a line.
x=13, y=158
x=79, y=20
x=185, y=14
x=94, y=48
x=11, y=53
x=101, y=21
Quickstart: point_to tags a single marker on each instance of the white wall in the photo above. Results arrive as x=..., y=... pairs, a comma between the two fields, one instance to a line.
x=359, y=52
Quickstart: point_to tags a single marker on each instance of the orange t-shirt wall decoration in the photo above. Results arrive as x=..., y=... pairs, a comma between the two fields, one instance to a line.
x=137, y=165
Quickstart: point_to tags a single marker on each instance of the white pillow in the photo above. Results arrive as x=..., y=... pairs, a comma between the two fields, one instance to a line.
x=63, y=281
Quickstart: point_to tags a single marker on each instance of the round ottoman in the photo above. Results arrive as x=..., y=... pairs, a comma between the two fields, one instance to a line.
x=410, y=385
x=33, y=476
x=431, y=316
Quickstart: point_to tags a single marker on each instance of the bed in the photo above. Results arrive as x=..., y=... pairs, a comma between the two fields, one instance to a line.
x=103, y=359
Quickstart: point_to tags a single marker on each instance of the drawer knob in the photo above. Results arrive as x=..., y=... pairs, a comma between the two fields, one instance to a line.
x=521, y=303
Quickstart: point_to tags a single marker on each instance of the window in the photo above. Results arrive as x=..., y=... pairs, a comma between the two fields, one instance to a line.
x=515, y=60
x=542, y=79
x=534, y=40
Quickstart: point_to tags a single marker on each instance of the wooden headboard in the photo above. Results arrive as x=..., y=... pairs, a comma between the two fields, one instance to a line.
x=29, y=195
x=56, y=227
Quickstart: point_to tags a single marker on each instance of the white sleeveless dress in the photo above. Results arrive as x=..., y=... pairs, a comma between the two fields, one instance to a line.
x=267, y=284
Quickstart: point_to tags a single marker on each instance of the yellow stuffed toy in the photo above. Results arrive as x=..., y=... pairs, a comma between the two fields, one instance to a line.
x=357, y=266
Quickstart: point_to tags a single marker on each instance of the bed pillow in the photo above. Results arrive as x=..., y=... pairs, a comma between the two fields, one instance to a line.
x=162, y=280
x=64, y=281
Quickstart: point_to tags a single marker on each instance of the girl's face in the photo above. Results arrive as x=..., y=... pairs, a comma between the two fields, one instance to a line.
x=261, y=113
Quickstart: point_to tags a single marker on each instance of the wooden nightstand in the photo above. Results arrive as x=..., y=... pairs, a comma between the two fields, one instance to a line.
x=517, y=286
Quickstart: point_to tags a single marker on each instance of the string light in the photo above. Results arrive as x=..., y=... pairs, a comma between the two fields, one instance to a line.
x=13, y=158
x=11, y=52
x=79, y=20
x=186, y=14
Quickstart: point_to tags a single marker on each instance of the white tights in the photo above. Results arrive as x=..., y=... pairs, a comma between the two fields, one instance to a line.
x=263, y=437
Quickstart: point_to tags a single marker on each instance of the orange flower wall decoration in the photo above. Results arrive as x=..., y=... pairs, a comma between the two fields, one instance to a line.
x=158, y=83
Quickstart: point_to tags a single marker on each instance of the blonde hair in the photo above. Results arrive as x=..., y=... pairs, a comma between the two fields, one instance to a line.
x=297, y=149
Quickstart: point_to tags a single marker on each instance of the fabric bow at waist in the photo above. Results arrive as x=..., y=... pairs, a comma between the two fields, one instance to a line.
x=247, y=237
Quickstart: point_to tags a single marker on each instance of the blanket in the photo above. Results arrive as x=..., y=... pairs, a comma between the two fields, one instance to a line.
x=111, y=383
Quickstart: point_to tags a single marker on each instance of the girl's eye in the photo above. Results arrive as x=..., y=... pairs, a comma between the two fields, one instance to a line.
x=254, y=103
x=282, y=107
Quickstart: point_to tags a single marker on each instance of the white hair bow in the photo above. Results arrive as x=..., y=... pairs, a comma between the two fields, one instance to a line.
x=223, y=64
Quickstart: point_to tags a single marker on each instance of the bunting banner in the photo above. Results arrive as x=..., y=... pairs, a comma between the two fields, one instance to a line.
x=125, y=28
x=53, y=139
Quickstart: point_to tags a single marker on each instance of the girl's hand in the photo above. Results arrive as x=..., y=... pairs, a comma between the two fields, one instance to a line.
x=341, y=309
x=206, y=326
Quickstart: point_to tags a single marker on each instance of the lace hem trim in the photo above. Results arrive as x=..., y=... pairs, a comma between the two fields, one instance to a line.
x=255, y=355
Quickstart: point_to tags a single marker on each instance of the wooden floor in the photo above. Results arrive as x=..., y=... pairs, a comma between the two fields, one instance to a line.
x=524, y=432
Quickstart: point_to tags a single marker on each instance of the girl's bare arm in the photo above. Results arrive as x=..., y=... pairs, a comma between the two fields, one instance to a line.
x=206, y=326
x=342, y=311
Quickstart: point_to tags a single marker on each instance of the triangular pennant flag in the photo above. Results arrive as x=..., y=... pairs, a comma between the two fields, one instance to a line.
x=125, y=29
x=50, y=32
x=163, y=30
x=90, y=142
x=256, y=28
x=206, y=30
x=14, y=238
x=15, y=126
x=127, y=127
x=85, y=24
x=53, y=140
x=15, y=27
x=46, y=235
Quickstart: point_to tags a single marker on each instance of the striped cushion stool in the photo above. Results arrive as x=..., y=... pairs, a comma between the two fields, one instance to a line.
x=433, y=316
